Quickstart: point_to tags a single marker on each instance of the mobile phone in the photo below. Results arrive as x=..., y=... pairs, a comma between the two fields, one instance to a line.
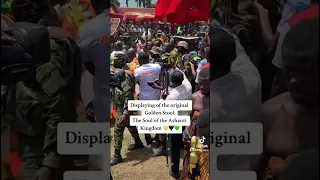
x=150, y=83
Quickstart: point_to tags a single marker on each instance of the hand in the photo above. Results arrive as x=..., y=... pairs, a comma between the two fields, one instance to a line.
x=124, y=119
x=163, y=94
x=186, y=138
x=46, y=173
x=191, y=64
x=258, y=7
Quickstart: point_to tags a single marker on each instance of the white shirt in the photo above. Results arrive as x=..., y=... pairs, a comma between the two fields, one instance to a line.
x=182, y=92
x=185, y=80
x=144, y=74
x=283, y=28
x=236, y=97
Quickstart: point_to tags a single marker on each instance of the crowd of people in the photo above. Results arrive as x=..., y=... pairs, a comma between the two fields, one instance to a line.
x=228, y=81
x=216, y=65
x=144, y=64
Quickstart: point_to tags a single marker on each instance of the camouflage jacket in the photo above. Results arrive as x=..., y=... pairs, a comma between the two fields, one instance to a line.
x=120, y=96
x=51, y=99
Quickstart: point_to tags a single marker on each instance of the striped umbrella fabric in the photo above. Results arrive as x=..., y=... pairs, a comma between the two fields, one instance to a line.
x=114, y=25
x=116, y=12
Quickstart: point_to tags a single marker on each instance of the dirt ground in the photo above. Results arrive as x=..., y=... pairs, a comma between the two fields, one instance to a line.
x=139, y=164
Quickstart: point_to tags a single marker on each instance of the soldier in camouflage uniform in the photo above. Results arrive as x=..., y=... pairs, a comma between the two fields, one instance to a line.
x=120, y=96
x=35, y=108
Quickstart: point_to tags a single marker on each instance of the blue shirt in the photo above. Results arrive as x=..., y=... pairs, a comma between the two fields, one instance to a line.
x=94, y=49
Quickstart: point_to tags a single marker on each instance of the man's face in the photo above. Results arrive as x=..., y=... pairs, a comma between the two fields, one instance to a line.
x=157, y=43
x=205, y=87
x=156, y=57
x=302, y=77
x=180, y=49
x=149, y=45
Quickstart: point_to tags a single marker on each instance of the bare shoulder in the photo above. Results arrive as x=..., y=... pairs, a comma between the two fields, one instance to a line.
x=275, y=103
x=196, y=95
x=271, y=107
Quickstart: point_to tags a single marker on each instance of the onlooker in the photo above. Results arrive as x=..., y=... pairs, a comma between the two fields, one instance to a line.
x=291, y=119
x=235, y=90
x=147, y=72
x=95, y=55
x=178, y=91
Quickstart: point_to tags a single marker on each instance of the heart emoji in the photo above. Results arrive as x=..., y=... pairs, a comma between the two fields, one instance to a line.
x=171, y=127
x=176, y=127
x=165, y=127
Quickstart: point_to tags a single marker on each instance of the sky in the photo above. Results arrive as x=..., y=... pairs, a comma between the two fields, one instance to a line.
x=132, y=3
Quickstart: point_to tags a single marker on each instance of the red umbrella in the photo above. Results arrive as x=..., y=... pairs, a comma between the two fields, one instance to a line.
x=115, y=22
x=161, y=9
x=116, y=12
x=145, y=17
x=132, y=15
x=185, y=11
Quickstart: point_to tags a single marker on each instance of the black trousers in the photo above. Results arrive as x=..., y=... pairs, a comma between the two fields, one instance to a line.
x=176, y=143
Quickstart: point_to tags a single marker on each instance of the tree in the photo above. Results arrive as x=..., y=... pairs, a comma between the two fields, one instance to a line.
x=149, y=3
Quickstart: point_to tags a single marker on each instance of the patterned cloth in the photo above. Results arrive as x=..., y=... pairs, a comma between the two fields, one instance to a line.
x=74, y=15
x=192, y=132
x=133, y=65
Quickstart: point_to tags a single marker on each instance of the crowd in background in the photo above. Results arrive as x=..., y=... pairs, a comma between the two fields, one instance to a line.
x=254, y=62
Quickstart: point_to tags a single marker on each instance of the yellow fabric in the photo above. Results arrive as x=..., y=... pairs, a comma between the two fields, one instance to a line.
x=134, y=65
x=75, y=14
x=175, y=56
x=164, y=38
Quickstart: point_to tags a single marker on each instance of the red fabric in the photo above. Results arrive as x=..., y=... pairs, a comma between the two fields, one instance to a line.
x=115, y=114
x=120, y=16
x=185, y=11
x=143, y=18
x=132, y=15
x=161, y=9
x=16, y=165
x=311, y=12
x=205, y=66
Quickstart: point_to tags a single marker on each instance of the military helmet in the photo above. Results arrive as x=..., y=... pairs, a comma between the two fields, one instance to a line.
x=120, y=60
